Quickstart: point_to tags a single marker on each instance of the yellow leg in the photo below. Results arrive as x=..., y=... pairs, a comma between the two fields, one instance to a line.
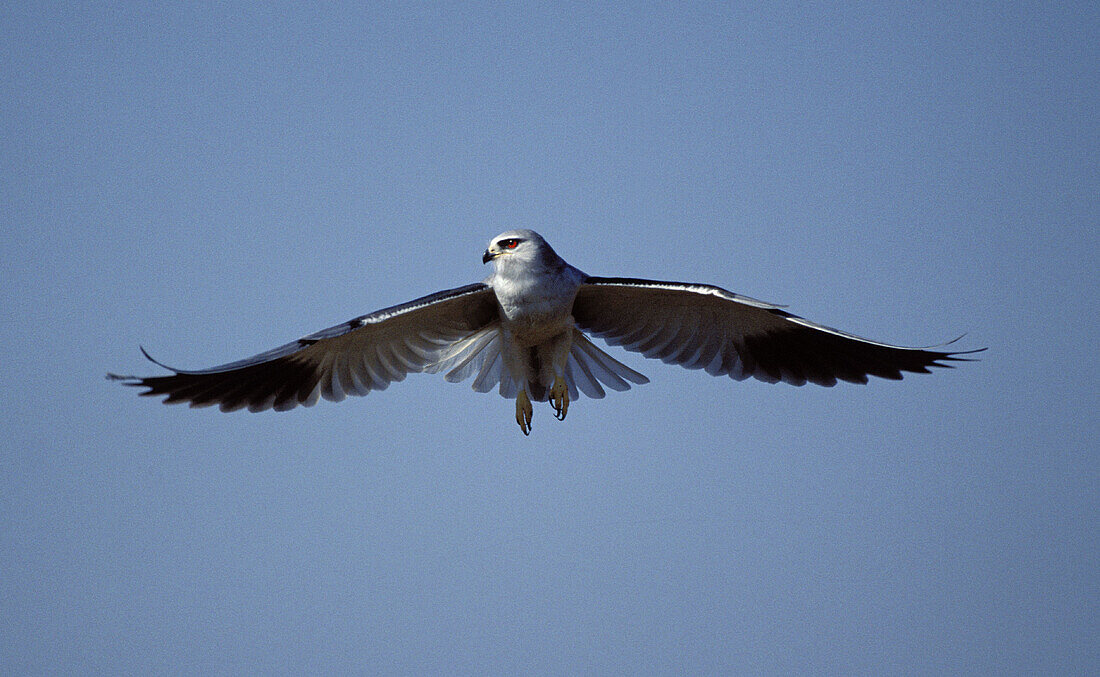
x=559, y=398
x=524, y=411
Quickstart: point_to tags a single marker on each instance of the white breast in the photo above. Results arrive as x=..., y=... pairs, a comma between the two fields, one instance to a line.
x=537, y=305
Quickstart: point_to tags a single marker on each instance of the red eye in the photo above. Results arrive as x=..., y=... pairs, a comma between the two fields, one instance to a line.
x=509, y=244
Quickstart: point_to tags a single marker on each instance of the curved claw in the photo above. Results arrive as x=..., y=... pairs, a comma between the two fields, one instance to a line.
x=559, y=398
x=524, y=411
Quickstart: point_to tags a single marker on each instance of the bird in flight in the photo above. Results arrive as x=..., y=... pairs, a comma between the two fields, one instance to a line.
x=525, y=331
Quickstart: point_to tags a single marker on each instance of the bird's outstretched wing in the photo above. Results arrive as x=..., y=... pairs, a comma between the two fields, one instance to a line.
x=704, y=327
x=353, y=358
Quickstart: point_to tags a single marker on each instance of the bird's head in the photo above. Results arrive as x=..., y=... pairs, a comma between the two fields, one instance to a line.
x=516, y=246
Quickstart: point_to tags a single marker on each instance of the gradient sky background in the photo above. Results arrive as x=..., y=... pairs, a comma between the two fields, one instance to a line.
x=214, y=180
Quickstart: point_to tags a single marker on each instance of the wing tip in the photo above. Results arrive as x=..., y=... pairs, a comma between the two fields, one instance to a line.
x=127, y=380
x=957, y=352
x=954, y=356
x=155, y=361
x=130, y=380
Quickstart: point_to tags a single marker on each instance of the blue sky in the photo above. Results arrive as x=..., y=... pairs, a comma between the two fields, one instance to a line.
x=211, y=181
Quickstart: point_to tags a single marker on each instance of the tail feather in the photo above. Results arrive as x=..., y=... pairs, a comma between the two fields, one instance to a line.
x=579, y=376
x=601, y=366
x=589, y=367
x=587, y=370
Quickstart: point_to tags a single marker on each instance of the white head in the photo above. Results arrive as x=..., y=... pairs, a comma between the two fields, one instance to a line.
x=522, y=247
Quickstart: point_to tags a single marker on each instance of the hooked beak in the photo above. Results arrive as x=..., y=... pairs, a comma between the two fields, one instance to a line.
x=488, y=256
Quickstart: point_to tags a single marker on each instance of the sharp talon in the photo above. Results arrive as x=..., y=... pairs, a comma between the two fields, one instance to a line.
x=524, y=411
x=559, y=398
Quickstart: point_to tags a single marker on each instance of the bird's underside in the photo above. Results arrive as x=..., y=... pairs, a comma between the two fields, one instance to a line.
x=524, y=332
